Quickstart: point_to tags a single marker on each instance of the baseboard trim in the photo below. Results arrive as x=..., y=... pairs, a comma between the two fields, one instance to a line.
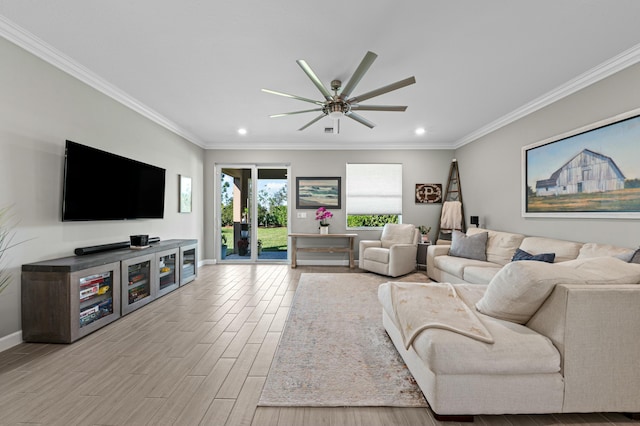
x=10, y=340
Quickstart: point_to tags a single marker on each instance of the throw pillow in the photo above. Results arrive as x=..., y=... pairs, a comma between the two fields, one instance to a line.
x=469, y=246
x=599, y=250
x=625, y=257
x=636, y=257
x=518, y=290
x=542, y=257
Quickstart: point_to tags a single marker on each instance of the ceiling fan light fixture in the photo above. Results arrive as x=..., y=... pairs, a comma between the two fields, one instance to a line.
x=420, y=131
x=335, y=110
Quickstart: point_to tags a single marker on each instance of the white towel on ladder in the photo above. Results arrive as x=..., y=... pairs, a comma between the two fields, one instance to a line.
x=451, y=217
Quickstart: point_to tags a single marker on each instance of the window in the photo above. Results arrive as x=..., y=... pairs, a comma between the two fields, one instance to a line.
x=373, y=194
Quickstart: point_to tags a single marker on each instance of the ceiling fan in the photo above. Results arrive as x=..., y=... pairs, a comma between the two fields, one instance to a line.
x=340, y=103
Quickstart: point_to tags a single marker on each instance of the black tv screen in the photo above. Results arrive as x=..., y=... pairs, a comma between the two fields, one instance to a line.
x=99, y=185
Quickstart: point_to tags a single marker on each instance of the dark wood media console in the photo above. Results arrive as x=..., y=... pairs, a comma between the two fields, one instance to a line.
x=67, y=298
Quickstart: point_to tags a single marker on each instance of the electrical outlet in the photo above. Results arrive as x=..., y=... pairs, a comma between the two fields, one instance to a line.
x=302, y=215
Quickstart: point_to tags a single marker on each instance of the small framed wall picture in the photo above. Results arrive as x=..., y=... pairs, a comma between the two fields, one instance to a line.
x=315, y=192
x=184, y=203
x=428, y=193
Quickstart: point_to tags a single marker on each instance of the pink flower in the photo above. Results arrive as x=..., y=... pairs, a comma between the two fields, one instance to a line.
x=322, y=214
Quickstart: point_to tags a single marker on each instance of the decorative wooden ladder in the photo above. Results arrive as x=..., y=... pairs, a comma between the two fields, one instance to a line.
x=453, y=192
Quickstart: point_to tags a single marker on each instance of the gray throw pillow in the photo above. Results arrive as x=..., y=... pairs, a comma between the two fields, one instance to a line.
x=636, y=257
x=469, y=246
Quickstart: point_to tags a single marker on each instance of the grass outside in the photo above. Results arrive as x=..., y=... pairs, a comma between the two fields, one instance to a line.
x=623, y=200
x=273, y=239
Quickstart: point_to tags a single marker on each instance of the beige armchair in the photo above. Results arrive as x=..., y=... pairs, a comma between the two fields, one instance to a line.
x=394, y=254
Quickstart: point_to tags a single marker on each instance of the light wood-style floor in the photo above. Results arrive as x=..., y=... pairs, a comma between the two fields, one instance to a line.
x=199, y=355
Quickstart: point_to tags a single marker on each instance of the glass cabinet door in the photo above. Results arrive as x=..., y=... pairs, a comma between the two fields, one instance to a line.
x=188, y=263
x=138, y=276
x=96, y=297
x=95, y=301
x=168, y=279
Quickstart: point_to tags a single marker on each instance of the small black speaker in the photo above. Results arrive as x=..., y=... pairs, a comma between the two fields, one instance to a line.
x=139, y=240
x=475, y=220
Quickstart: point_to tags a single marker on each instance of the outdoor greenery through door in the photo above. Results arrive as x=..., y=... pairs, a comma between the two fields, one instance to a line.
x=271, y=213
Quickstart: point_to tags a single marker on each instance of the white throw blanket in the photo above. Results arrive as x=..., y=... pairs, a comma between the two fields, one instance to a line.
x=420, y=306
x=451, y=216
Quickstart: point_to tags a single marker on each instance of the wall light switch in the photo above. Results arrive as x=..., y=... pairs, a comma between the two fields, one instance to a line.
x=302, y=215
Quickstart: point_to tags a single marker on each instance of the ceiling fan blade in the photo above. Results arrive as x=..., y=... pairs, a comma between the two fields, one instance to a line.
x=361, y=119
x=286, y=95
x=284, y=114
x=378, y=108
x=389, y=88
x=312, y=121
x=307, y=69
x=358, y=74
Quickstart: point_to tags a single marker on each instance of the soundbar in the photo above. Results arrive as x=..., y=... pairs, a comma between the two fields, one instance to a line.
x=81, y=251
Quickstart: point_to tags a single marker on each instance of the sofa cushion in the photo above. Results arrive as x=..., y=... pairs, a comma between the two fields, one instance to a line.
x=604, y=270
x=520, y=288
x=517, y=350
x=589, y=250
x=457, y=265
x=469, y=246
x=480, y=274
x=500, y=245
x=564, y=250
x=542, y=257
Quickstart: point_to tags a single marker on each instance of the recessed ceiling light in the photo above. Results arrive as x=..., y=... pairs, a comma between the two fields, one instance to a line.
x=420, y=131
x=242, y=131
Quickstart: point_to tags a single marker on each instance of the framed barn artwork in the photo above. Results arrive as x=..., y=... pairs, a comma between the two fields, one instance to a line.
x=590, y=172
x=428, y=193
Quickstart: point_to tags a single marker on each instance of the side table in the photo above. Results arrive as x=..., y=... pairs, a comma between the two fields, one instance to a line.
x=421, y=256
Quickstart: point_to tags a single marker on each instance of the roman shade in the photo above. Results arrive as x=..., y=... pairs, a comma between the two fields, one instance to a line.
x=374, y=189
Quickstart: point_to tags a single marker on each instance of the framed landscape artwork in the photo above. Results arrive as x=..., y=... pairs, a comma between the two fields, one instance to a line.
x=591, y=172
x=428, y=193
x=315, y=192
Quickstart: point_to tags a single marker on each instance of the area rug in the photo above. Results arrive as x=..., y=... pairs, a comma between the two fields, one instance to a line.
x=334, y=351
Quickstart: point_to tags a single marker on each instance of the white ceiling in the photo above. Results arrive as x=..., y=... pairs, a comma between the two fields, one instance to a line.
x=197, y=66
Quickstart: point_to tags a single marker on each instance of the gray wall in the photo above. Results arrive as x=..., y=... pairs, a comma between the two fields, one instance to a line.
x=418, y=167
x=491, y=166
x=41, y=107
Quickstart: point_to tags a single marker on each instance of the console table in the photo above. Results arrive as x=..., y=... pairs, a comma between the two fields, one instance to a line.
x=348, y=249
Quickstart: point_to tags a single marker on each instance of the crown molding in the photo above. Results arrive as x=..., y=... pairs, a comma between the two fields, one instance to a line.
x=617, y=63
x=328, y=146
x=49, y=54
x=34, y=45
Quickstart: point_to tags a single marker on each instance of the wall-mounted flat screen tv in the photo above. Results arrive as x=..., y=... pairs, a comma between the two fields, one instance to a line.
x=99, y=185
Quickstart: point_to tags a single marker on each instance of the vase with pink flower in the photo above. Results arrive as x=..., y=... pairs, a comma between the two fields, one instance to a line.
x=323, y=215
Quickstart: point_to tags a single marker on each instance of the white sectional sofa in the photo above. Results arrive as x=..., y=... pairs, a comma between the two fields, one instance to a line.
x=500, y=248
x=566, y=335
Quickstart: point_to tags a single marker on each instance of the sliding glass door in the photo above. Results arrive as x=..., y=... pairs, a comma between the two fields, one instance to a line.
x=252, y=215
